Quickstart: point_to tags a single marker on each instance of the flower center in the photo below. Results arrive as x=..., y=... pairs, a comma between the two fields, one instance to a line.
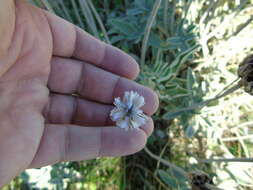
x=129, y=110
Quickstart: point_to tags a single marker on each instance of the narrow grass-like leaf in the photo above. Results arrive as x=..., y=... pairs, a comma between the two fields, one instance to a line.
x=148, y=29
x=89, y=17
x=172, y=17
x=76, y=12
x=172, y=70
x=190, y=80
x=172, y=115
x=190, y=131
x=65, y=10
x=166, y=15
x=242, y=26
x=170, y=181
x=123, y=27
x=99, y=21
x=115, y=39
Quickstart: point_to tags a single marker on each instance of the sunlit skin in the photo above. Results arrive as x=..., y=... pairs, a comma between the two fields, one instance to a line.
x=44, y=60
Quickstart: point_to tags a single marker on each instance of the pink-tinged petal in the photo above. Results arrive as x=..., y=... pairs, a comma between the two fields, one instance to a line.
x=117, y=114
x=123, y=123
x=126, y=97
x=136, y=111
x=140, y=119
x=138, y=101
x=134, y=125
x=118, y=103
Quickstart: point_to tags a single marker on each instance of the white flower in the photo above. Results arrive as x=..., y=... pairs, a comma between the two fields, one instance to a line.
x=127, y=113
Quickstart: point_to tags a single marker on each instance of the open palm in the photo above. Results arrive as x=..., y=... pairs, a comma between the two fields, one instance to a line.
x=57, y=85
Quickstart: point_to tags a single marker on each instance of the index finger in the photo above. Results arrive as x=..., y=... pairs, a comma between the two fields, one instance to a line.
x=71, y=41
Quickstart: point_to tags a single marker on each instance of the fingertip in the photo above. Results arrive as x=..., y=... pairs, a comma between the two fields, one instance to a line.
x=119, y=62
x=118, y=142
x=136, y=141
x=155, y=101
x=148, y=127
x=135, y=70
x=151, y=99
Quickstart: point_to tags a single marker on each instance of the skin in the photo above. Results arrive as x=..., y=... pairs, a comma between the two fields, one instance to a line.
x=57, y=86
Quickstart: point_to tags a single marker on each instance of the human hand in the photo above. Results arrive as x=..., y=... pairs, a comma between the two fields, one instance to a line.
x=57, y=86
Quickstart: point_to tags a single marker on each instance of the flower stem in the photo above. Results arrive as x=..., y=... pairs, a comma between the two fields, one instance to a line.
x=237, y=138
x=148, y=30
x=228, y=160
x=200, y=105
x=165, y=162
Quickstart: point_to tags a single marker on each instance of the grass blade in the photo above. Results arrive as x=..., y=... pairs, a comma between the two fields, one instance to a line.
x=165, y=162
x=165, y=15
x=89, y=18
x=81, y=24
x=99, y=21
x=65, y=10
x=148, y=29
x=228, y=160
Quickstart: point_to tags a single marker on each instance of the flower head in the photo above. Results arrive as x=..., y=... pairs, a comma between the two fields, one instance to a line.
x=127, y=113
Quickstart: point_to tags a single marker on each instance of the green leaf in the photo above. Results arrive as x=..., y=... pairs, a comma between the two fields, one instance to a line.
x=140, y=3
x=172, y=115
x=177, y=91
x=190, y=79
x=154, y=40
x=177, y=175
x=192, y=128
x=174, y=41
x=135, y=11
x=166, y=178
x=112, y=31
x=115, y=39
x=182, y=180
x=182, y=58
x=123, y=27
x=190, y=131
x=172, y=70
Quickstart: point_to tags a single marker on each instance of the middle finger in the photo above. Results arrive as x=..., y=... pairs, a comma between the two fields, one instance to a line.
x=71, y=76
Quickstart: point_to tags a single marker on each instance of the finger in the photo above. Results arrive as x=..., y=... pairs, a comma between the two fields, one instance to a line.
x=70, y=41
x=71, y=76
x=65, y=143
x=148, y=127
x=73, y=110
x=64, y=109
